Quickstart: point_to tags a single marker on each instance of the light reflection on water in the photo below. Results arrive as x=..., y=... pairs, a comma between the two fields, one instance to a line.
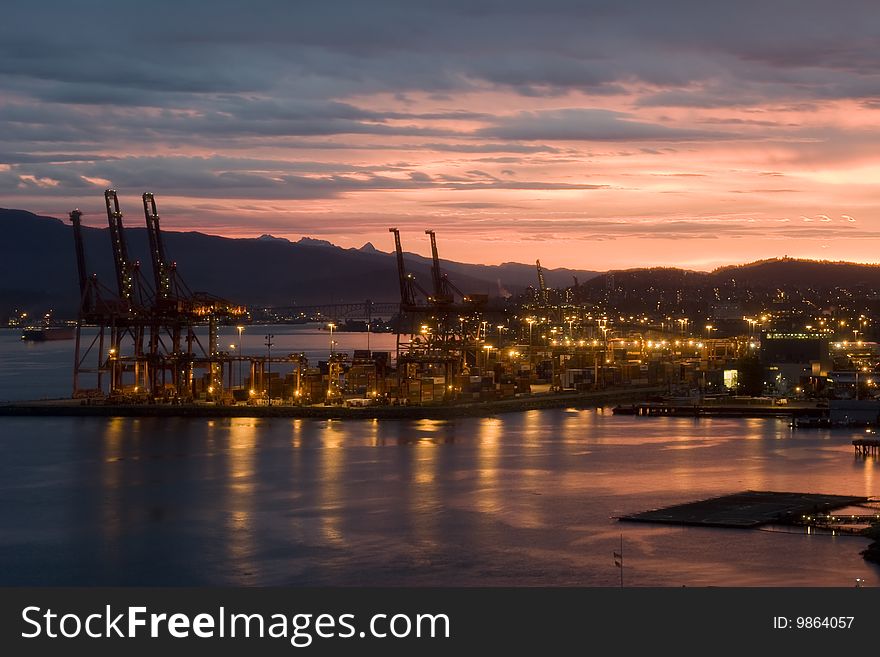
x=239, y=500
x=517, y=499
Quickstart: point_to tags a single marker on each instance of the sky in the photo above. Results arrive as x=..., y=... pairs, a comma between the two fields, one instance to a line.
x=594, y=135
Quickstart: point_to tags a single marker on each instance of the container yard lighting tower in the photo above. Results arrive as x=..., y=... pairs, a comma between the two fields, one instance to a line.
x=240, y=328
x=269, y=367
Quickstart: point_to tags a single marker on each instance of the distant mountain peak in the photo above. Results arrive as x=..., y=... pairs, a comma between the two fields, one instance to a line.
x=369, y=248
x=265, y=237
x=311, y=241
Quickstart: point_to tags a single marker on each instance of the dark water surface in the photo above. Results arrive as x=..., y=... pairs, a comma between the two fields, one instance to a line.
x=519, y=499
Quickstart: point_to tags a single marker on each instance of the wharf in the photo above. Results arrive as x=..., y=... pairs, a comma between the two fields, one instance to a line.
x=655, y=409
x=77, y=408
x=748, y=509
x=867, y=446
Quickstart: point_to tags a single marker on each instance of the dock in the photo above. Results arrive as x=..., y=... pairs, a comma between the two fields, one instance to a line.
x=747, y=510
x=867, y=447
x=659, y=409
x=79, y=408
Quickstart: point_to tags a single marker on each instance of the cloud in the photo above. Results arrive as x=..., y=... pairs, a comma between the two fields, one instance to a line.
x=127, y=54
x=578, y=124
x=510, y=147
x=670, y=112
x=248, y=178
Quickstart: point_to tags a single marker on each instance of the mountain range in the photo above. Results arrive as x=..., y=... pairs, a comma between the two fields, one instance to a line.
x=38, y=271
x=774, y=273
x=38, y=267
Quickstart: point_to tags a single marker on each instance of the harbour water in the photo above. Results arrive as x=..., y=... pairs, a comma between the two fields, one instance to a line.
x=516, y=499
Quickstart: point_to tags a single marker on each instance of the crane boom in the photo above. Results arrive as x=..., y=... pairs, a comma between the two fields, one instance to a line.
x=406, y=293
x=75, y=219
x=542, y=285
x=435, y=266
x=124, y=277
x=444, y=290
x=161, y=268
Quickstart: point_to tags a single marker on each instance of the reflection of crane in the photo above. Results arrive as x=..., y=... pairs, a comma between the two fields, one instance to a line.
x=542, y=285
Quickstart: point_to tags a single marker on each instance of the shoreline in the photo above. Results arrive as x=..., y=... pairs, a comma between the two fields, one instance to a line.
x=76, y=408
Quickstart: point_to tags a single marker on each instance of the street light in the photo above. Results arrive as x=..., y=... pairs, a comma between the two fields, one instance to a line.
x=331, y=326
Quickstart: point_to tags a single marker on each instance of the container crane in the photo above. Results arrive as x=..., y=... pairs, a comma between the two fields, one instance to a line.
x=442, y=285
x=162, y=271
x=444, y=289
x=76, y=220
x=407, y=281
x=170, y=317
x=90, y=307
x=542, y=285
x=127, y=272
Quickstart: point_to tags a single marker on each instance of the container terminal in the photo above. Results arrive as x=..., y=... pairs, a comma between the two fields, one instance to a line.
x=146, y=339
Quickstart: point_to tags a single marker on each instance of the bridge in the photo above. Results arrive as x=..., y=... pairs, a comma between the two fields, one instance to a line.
x=361, y=310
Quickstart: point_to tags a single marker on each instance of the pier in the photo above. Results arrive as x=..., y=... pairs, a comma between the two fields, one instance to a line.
x=866, y=447
x=706, y=409
x=79, y=408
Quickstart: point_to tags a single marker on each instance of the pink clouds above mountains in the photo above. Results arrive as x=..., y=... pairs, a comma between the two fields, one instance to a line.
x=586, y=134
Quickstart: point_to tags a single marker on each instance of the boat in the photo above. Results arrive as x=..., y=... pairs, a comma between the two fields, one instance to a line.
x=47, y=333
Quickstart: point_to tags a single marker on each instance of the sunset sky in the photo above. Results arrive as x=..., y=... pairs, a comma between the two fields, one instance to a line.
x=587, y=134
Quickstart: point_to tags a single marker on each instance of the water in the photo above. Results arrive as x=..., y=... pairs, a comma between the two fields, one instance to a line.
x=517, y=499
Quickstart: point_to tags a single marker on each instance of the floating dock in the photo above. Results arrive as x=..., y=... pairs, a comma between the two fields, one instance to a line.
x=747, y=510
